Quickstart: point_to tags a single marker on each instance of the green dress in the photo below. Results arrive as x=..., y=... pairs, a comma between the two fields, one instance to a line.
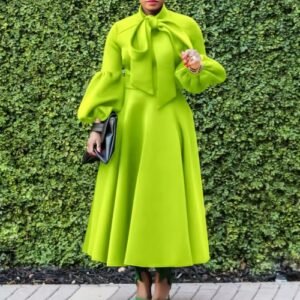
x=148, y=207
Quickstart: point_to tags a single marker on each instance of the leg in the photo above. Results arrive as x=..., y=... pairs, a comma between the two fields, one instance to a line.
x=143, y=280
x=163, y=282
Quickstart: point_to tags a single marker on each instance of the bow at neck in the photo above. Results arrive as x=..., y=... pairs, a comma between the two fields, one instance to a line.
x=140, y=49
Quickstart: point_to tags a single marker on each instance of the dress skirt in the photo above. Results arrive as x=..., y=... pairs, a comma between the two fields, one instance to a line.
x=148, y=207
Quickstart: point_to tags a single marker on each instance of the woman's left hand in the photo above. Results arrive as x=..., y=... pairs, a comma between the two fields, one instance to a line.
x=191, y=59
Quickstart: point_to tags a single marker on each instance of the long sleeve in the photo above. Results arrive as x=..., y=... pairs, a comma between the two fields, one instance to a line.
x=105, y=90
x=212, y=73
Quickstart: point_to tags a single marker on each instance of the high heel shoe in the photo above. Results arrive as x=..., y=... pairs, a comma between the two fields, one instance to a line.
x=165, y=272
x=138, y=276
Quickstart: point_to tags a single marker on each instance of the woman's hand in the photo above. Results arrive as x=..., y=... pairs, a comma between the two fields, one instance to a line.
x=191, y=59
x=94, y=139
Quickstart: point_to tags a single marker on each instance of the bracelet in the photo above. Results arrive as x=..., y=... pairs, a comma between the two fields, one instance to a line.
x=98, y=127
x=196, y=70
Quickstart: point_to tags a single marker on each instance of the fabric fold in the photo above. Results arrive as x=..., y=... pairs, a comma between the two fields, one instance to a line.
x=105, y=92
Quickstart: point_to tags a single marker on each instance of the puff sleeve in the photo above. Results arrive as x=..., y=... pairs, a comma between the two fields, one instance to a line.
x=105, y=90
x=212, y=73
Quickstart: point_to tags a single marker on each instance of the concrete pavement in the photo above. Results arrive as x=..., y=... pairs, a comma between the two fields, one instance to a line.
x=179, y=291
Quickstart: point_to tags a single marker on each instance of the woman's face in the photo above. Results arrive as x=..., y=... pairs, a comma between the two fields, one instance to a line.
x=151, y=6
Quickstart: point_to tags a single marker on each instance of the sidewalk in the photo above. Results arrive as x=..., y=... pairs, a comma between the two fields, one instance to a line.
x=179, y=291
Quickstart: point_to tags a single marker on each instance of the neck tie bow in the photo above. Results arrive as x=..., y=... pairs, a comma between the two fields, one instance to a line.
x=142, y=59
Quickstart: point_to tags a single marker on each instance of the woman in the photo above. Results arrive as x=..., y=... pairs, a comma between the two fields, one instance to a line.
x=148, y=209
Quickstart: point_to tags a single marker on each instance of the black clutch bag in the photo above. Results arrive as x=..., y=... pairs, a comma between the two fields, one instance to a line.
x=107, y=130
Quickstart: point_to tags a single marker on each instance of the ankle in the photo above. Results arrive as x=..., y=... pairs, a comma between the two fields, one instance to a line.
x=143, y=282
x=163, y=282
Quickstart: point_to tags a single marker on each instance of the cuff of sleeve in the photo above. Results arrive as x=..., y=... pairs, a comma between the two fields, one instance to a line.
x=211, y=73
x=103, y=94
x=188, y=79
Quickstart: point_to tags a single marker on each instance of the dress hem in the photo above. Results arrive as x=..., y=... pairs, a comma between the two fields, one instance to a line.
x=151, y=265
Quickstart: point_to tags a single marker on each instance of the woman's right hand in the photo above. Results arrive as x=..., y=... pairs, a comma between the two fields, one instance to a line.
x=94, y=139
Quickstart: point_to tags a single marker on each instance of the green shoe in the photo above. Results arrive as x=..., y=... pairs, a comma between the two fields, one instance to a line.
x=138, y=276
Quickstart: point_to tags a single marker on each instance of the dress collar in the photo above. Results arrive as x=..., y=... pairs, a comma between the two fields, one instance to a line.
x=161, y=14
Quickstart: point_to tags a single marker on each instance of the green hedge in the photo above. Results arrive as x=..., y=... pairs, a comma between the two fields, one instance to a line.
x=247, y=128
